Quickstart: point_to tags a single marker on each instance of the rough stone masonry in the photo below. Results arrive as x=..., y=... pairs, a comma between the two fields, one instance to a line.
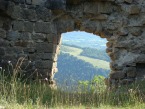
x=32, y=29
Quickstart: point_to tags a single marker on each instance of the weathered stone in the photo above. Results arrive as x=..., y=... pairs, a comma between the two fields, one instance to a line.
x=2, y=33
x=2, y=51
x=28, y=26
x=38, y=37
x=136, y=31
x=102, y=17
x=33, y=28
x=3, y=43
x=30, y=50
x=130, y=72
x=12, y=35
x=105, y=8
x=131, y=9
x=64, y=25
x=127, y=81
x=44, y=27
x=47, y=64
x=108, y=50
x=29, y=14
x=109, y=44
x=14, y=11
x=91, y=8
x=19, y=1
x=128, y=1
x=55, y=4
x=117, y=75
x=25, y=36
x=29, y=2
x=134, y=9
x=44, y=14
x=22, y=43
x=47, y=56
x=45, y=47
x=91, y=26
x=18, y=25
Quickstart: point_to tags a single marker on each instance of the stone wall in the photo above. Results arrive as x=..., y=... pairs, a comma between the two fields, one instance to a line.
x=32, y=29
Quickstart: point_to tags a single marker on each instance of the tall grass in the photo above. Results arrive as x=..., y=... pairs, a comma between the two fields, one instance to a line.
x=17, y=94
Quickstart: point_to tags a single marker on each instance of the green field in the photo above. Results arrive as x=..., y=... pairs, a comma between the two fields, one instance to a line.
x=76, y=52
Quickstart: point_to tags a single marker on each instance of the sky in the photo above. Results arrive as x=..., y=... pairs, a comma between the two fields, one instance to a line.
x=83, y=39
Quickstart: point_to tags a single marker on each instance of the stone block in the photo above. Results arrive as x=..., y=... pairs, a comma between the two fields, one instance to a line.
x=73, y=2
x=54, y=65
x=45, y=47
x=135, y=31
x=43, y=14
x=3, y=5
x=131, y=9
x=91, y=8
x=2, y=51
x=12, y=36
x=4, y=43
x=1, y=22
x=102, y=17
x=30, y=50
x=134, y=9
x=130, y=71
x=18, y=26
x=47, y=56
x=127, y=81
x=128, y=1
x=117, y=75
x=105, y=8
x=91, y=26
x=38, y=37
x=2, y=33
x=19, y=1
x=28, y=26
x=65, y=25
x=13, y=50
x=29, y=2
x=22, y=43
x=109, y=44
x=29, y=14
x=15, y=11
x=44, y=27
x=109, y=50
x=25, y=36
x=55, y=4
x=41, y=64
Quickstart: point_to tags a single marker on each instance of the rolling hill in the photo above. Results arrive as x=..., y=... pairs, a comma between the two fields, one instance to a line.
x=76, y=52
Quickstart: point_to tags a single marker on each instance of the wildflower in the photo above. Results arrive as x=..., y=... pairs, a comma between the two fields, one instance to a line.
x=46, y=79
x=0, y=68
x=9, y=62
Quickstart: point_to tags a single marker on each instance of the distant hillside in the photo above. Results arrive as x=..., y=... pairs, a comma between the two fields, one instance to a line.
x=95, y=53
x=77, y=52
x=72, y=69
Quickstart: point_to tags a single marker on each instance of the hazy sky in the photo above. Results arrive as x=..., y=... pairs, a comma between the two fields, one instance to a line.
x=81, y=34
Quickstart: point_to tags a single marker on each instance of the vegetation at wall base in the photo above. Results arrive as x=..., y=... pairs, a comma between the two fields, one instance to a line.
x=15, y=94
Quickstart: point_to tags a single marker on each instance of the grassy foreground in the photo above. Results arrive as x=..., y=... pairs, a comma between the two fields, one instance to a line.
x=18, y=94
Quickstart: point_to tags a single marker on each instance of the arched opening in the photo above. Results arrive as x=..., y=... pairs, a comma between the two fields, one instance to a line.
x=82, y=57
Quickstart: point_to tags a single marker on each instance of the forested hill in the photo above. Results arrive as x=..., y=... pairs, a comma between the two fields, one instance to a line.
x=73, y=69
x=95, y=53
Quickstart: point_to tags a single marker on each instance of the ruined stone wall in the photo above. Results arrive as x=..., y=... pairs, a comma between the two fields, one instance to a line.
x=32, y=29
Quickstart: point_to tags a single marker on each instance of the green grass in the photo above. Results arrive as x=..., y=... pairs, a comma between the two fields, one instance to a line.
x=18, y=94
x=77, y=51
